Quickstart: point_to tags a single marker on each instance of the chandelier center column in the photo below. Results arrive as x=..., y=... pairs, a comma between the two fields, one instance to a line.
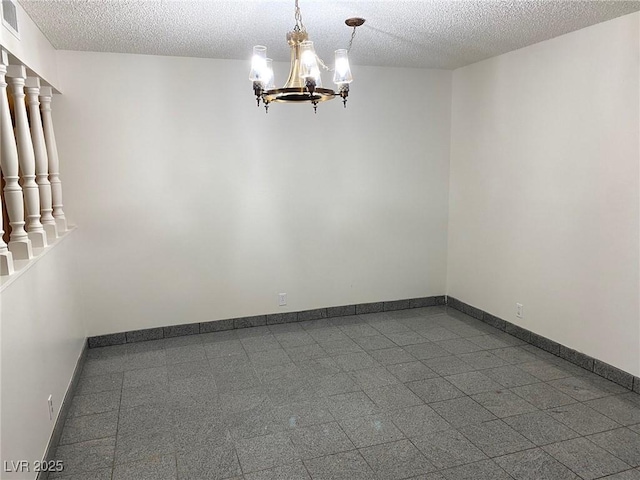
x=16, y=75
x=19, y=243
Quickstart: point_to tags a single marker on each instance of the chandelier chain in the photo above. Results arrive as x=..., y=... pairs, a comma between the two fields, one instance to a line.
x=353, y=35
x=323, y=65
x=298, y=15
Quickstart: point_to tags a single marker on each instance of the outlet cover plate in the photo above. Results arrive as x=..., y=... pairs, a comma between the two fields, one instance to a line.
x=519, y=310
x=282, y=299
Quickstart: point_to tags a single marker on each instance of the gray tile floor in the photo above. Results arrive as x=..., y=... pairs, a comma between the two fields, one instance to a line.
x=429, y=394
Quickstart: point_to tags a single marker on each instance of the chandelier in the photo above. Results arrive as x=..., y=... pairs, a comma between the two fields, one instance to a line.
x=304, y=83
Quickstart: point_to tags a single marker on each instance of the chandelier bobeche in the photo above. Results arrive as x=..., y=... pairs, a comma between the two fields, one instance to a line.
x=304, y=83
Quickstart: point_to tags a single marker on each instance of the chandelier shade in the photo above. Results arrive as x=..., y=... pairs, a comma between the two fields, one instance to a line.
x=258, y=63
x=305, y=80
x=342, y=71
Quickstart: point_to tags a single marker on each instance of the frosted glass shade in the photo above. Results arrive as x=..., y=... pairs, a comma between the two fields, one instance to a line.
x=342, y=70
x=258, y=64
x=309, y=62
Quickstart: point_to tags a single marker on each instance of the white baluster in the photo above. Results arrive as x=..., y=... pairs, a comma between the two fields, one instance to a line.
x=42, y=160
x=19, y=243
x=6, y=258
x=16, y=76
x=52, y=152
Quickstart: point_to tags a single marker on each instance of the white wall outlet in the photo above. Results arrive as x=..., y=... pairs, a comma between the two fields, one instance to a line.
x=519, y=308
x=282, y=299
x=50, y=407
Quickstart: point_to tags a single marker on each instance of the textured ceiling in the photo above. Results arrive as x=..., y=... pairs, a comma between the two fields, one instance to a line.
x=431, y=34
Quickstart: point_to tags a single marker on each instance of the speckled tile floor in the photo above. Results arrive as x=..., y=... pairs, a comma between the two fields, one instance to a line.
x=428, y=394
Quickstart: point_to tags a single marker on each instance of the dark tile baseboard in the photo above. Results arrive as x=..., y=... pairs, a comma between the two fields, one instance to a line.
x=580, y=359
x=64, y=410
x=259, y=320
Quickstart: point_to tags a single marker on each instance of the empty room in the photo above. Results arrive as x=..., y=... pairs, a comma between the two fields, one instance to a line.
x=319, y=240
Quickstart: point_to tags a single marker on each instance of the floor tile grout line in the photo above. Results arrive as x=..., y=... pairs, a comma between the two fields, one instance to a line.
x=503, y=423
x=500, y=467
x=586, y=437
x=612, y=419
x=567, y=466
x=619, y=425
x=418, y=449
x=488, y=459
x=115, y=443
x=235, y=451
x=304, y=465
x=175, y=459
x=367, y=461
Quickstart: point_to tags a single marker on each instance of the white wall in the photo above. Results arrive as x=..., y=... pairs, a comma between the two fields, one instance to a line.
x=41, y=325
x=42, y=336
x=195, y=205
x=544, y=197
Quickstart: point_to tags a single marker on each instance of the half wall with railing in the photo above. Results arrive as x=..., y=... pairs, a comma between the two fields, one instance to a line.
x=31, y=194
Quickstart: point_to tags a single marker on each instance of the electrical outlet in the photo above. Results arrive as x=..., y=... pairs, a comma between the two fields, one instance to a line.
x=50, y=407
x=519, y=308
x=282, y=299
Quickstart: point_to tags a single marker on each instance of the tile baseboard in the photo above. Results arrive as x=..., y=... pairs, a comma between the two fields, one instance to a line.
x=580, y=359
x=135, y=336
